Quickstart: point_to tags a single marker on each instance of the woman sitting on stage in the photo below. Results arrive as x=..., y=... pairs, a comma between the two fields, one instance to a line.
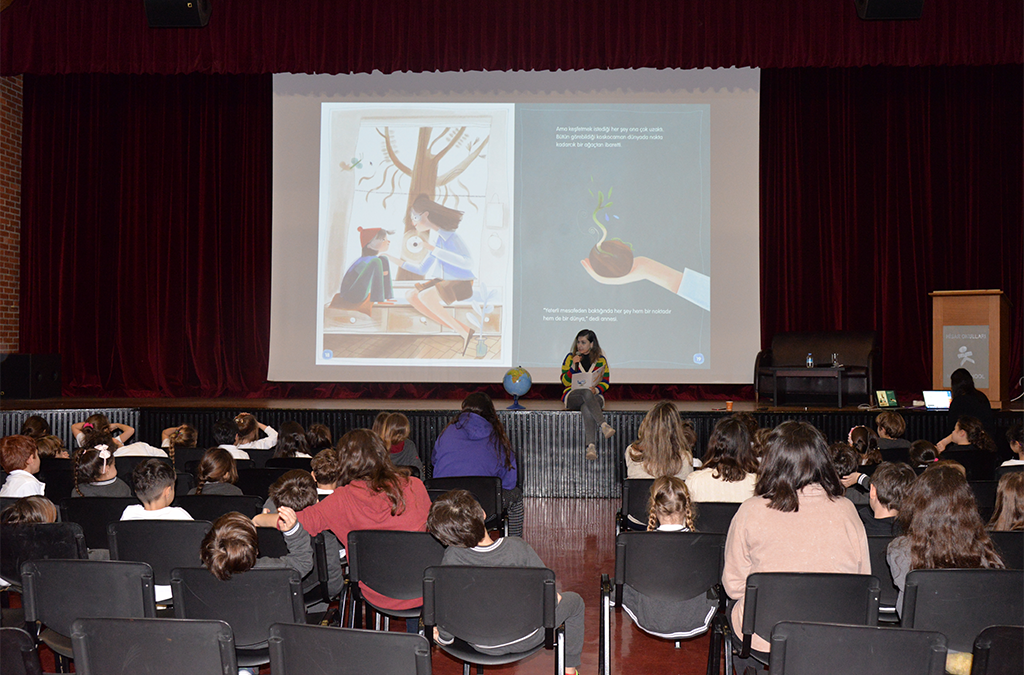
x=586, y=357
x=730, y=467
x=661, y=448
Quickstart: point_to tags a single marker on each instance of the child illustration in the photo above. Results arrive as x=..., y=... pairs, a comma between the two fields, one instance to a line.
x=368, y=280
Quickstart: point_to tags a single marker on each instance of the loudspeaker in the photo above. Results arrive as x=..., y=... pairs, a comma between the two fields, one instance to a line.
x=29, y=376
x=889, y=10
x=177, y=13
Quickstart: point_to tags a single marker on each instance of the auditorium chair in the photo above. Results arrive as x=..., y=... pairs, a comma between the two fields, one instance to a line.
x=212, y=507
x=38, y=541
x=714, y=516
x=888, y=594
x=157, y=646
x=485, y=489
x=272, y=544
x=299, y=650
x=999, y=650
x=258, y=481
x=857, y=351
x=18, y=652
x=303, y=463
x=94, y=514
x=1010, y=546
x=636, y=496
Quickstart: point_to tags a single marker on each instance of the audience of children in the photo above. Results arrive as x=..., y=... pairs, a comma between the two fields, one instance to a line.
x=225, y=435
x=1008, y=514
x=99, y=422
x=729, y=471
x=216, y=474
x=29, y=510
x=395, y=432
x=457, y=521
x=96, y=473
x=19, y=458
x=889, y=485
x=475, y=444
x=660, y=448
x=797, y=522
x=153, y=480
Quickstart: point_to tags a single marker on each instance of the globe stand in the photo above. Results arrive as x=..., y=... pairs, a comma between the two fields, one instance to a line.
x=515, y=403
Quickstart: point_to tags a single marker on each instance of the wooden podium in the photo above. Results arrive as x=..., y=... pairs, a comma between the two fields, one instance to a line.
x=971, y=329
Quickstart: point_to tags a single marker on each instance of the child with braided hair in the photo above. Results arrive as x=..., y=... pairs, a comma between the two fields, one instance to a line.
x=96, y=473
x=216, y=474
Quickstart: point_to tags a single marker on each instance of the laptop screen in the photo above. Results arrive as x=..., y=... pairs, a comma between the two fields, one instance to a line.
x=937, y=400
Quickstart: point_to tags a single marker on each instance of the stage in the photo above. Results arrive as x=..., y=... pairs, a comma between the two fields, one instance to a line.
x=547, y=438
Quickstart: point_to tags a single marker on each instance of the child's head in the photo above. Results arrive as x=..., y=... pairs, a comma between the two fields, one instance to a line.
x=248, y=428
x=151, y=478
x=93, y=464
x=35, y=426
x=760, y=445
x=457, y=519
x=216, y=466
x=19, y=452
x=96, y=422
x=923, y=452
x=291, y=445
x=378, y=423
x=669, y=504
x=730, y=452
x=28, y=510
x=327, y=468
x=184, y=436
x=51, y=446
x=318, y=436
x=748, y=420
x=1008, y=514
x=291, y=427
x=890, y=482
x=396, y=429
x=865, y=442
x=230, y=547
x=428, y=214
x=373, y=240
x=1015, y=437
x=845, y=460
x=974, y=431
x=296, y=489
x=689, y=433
x=225, y=432
x=661, y=445
x=891, y=424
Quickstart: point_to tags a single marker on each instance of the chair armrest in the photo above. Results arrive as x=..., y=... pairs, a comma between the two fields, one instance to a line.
x=762, y=360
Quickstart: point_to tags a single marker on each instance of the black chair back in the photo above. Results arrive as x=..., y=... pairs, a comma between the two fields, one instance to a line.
x=961, y=603
x=59, y=483
x=1013, y=468
x=258, y=481
x=94, y=514
x=1010, y=546
x=126, y=466
x=636, y=495
x=985, y=495
x=486, y=490
x=811, y=648
x=888, y=594
x=38, y=541
x=164, y=544
x=183, y=457
x=392, y=563
x=315, y=585
x=158, y=645
x=18, y=653
x=668, y=565
x=212, y=507
x=304, y=463
x=714, y=516
x=998, y=650
x=806, y=596
x=980, y=465
x=57, y=592
x=298, y=650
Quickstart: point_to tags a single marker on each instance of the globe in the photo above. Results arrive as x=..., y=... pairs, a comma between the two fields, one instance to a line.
x=517, y=382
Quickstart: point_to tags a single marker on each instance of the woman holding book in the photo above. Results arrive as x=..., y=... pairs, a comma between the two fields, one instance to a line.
x=585, y=378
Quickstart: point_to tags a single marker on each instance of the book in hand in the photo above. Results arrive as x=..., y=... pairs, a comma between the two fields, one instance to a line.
x=586, y=379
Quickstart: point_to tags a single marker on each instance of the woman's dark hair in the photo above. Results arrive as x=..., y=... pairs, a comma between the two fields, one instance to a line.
x=923, y=452
x=230, y=547
x=940, y=517
x=865, y=441
x=845, y=460
x=481, y=404
x=225, y=432
x=363, y=456
x=50, y=446
x=1015, y=434
x=442, y=216
x=35, y=426
x=318, y=437
x=91, y=462
x=29, y=510
x=290, y=445
x=748, y=420
x=976, y=433
x=248, y=428
x=216, y=466
x=1008, y=514
x=457, y=519
x=961, y=382
x=797, y=456
x=730, y=453
x=595, y=350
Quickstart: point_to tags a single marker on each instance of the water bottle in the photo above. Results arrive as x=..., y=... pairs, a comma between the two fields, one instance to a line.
x=810, y=360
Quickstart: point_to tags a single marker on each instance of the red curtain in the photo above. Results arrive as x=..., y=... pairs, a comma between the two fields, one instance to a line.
x=339, y=36
x=146, y=222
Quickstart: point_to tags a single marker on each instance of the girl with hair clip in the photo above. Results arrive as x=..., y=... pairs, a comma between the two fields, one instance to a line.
x=447, y=266
x=730, y=467
x=98, y=422
x=798, y=521
x=96, y=473
x=395, y=432
x=371, y=495
x=661, y=448
x=248, y=433
x=943, y=530
x=671, y=510
x=475, y=444
x=216, y=474
x=1008, y=515
x=586, y=356
x=28, y=511
x=865, y=442
x=292, y=445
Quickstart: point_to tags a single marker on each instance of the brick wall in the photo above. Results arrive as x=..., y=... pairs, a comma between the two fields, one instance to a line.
x=10, y=210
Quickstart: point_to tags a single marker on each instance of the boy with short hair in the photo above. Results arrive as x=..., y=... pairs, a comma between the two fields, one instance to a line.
x=154, y=486
x=457, y=520
x=890, y=427
x=326, y=471
x=19, y=457
x=889, y=483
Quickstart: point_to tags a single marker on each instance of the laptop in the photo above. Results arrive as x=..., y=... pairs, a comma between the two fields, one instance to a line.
x=937, y=400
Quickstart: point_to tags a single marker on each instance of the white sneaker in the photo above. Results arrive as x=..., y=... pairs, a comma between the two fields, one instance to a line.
x=607, y=430
x=591, y=452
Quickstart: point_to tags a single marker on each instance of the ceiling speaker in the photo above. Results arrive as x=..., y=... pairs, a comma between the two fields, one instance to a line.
x=177, y=13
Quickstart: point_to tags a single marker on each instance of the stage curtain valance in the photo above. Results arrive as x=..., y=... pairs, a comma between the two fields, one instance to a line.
x=317, y=36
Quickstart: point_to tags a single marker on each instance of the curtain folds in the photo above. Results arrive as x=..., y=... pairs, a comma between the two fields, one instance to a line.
x=46, y=37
